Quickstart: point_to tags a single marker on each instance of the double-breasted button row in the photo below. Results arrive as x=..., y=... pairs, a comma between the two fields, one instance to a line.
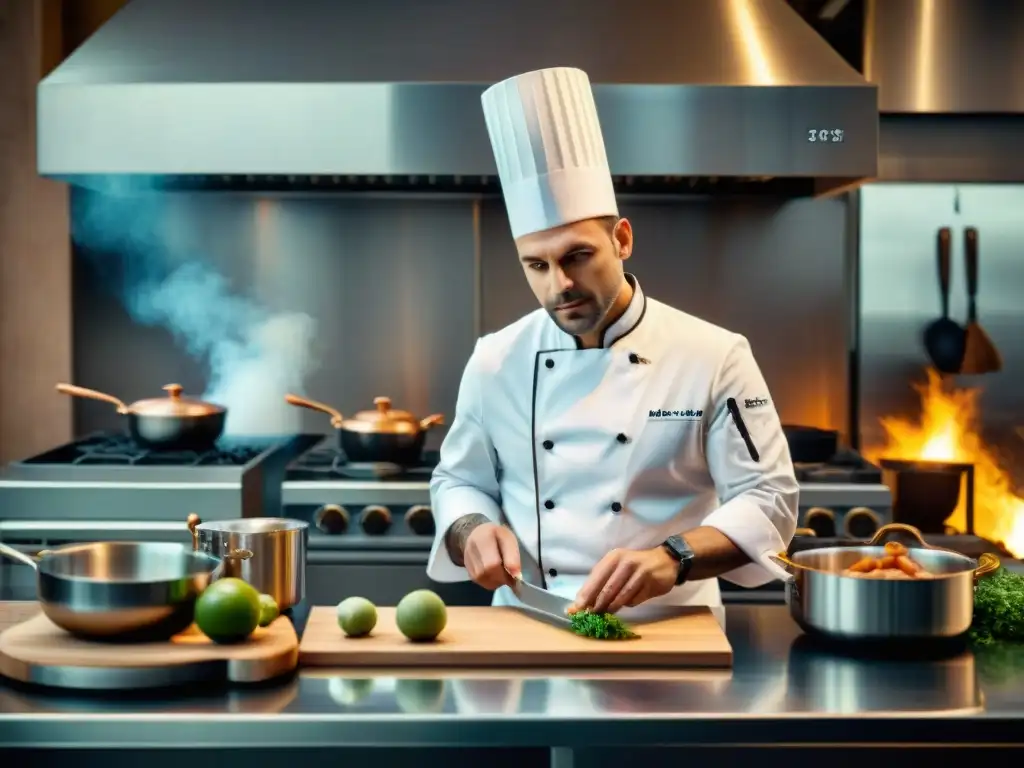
x=550, y=504
x=622, y=438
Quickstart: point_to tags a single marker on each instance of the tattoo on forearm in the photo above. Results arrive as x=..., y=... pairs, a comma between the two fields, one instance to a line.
x=458, y=532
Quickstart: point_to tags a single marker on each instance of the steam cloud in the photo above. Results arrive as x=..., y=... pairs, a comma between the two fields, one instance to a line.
x=253, y=356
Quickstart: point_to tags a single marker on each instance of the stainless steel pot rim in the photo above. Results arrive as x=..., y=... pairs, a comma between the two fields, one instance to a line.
x=983, y=566
x=269, y=526
x=208, y=563
x=969, y=563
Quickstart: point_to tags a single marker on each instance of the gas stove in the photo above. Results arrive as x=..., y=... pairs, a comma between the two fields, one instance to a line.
x=369, y=506
x=107, y=477
x=352, y=505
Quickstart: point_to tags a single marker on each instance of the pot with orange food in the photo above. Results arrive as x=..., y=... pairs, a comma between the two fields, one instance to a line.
x=883, y=589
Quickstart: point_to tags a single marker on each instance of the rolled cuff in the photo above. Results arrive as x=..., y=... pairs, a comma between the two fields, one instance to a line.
x=748, y=527
x=448, y=507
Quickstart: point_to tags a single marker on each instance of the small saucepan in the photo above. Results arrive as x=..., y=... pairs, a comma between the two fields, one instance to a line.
x=172, y=423
x=278, y=564
x=383, y=436
x=122, y=590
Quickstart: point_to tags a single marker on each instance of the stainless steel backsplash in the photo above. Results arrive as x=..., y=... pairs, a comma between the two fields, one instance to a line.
x=401, y=287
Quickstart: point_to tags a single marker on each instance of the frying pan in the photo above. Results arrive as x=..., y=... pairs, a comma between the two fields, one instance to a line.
x=122, y=591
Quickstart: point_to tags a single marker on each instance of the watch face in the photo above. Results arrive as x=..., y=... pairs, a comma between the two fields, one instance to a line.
x=678, y=546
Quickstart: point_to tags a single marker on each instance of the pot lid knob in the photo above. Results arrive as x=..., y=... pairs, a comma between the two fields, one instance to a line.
x=383, y=419
x=174, y=391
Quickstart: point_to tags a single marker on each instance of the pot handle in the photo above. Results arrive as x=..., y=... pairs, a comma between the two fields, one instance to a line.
x=235, y=554
x=8, y=551
x=909, y=530
x=987, y=563
x=92, y=394
x=780, y=566
x=433, y=420
x=315, y=405
x=193, y=522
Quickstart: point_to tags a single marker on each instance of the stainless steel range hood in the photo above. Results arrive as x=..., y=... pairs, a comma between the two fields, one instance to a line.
x=268, y=94
x=950, y=75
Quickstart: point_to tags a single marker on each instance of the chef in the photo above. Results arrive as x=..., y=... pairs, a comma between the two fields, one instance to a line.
x=606, y=447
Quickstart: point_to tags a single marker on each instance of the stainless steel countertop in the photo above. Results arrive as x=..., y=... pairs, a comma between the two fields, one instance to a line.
x=781, y=690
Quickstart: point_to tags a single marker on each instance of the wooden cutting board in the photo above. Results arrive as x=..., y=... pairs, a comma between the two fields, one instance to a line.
x=506, y=637
x=37, y=651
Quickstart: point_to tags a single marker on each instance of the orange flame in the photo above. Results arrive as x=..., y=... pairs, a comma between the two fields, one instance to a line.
x=948, y=430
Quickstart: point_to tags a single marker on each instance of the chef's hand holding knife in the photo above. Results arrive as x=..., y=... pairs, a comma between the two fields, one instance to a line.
x=491, y=555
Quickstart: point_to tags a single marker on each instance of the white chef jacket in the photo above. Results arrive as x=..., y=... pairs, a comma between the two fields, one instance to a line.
x=666, y=427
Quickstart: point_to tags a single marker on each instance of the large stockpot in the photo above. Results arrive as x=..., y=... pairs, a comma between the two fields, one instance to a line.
x=278, y=545
x=172, y=423
x=381, y=436
x=122, y=590
x=824, y=601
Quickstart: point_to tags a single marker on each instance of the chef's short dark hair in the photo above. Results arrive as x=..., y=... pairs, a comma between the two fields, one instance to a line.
x=609, y=222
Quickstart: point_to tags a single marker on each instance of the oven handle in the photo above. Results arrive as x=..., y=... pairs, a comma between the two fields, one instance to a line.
x=350, y=557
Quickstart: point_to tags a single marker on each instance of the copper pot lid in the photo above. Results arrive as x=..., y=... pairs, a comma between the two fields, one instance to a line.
x=387, y=420
x=174, y=405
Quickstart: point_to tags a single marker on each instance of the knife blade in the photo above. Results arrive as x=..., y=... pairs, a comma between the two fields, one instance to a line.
x=542, y=604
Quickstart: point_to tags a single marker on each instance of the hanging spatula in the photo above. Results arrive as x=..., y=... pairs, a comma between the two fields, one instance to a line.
x=980, y=352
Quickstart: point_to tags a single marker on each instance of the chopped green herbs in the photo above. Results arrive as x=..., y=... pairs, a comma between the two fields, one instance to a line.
x=601, y=626
x=999, y=608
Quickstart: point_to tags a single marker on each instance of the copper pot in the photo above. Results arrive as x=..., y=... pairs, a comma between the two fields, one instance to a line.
x=383, y=435
x=172, y=423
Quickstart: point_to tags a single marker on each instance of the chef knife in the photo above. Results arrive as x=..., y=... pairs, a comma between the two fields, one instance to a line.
x=541, y=604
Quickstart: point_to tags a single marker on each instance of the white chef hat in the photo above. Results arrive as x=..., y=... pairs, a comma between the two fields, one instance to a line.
x=549, y=149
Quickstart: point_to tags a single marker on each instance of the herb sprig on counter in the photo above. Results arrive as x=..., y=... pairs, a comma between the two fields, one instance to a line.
x=999, y=608
x=601, y=626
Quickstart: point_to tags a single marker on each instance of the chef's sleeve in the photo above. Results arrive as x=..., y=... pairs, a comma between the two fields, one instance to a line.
x=465, y=481
x=749, y=461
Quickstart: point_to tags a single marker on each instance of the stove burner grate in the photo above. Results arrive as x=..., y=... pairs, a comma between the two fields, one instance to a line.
x=332, y=464
x=118, y=450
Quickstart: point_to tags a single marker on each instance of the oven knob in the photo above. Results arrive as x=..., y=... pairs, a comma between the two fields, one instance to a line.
x=822, y=521
x=375, y=520
x=861, y=523
x=331, y=519
x=420, y=520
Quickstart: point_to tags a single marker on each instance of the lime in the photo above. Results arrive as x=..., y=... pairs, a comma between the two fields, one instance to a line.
x=268, y=610
x=228, y=610
x=421, y=615
x=357, y=616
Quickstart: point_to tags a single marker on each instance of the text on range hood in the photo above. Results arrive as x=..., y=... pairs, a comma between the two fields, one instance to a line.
x=267, y=94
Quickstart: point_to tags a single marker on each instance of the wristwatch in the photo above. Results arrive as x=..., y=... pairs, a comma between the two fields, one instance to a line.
x=681, y=552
